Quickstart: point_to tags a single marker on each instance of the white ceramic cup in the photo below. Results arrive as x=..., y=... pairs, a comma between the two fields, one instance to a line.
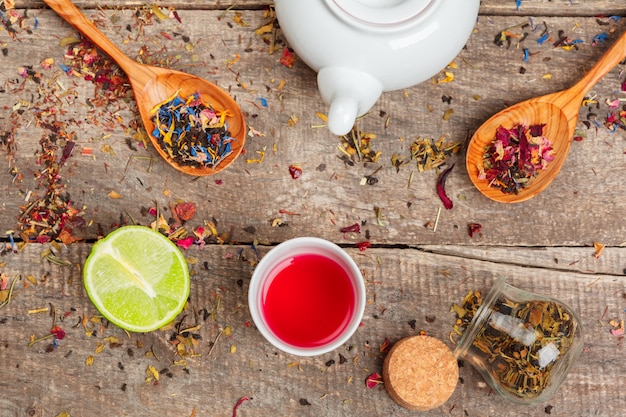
x=265, y=271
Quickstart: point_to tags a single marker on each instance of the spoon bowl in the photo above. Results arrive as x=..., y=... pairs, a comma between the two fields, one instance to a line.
x=152, y=86
x=526, y=113
x=557, y=111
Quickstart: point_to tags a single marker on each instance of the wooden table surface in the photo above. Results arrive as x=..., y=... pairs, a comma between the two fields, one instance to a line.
x=568, y=242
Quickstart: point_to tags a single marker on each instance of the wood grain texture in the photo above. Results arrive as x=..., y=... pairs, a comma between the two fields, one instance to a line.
x=414, y=271
x=329, y=195
x=408, y=291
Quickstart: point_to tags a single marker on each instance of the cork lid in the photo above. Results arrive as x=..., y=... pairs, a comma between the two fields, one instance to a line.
x=420, y=373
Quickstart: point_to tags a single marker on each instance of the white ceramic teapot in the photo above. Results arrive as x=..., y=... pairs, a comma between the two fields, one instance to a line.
x=360, y=48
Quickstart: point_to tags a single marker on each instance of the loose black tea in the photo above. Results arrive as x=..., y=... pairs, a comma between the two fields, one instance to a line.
x=191, y=132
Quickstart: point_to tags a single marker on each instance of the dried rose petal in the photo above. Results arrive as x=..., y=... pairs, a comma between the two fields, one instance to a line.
x=363, y=246
x=288, y=58
x=474, y=228
x=186, y=211
x=373, y=380
x=536, y=130
x=295, y=171
x=67, y=151
x=58, y=332
x=43, y=239
x=441, y=191
x=355, y=228
x=185, y=243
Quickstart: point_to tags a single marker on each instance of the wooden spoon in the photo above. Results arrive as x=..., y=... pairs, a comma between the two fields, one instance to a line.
x=153, y=85
x=558, y=111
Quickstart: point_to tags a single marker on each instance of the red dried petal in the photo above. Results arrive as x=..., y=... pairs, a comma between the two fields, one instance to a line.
x=363, y=245
x=503, y=136
x=441, y=191
x=295, y=172
x=288, y=58
x=474, y=228
x=67, y=151
x=43, y=239
x=185, y=243
x=186, y=211
x=373, y=380
x=58, y=332
x=241, y=400
x=524, y=149
x=536, y=130
x=355, y=228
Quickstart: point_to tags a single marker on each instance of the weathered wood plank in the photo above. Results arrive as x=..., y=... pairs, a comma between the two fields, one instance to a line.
x=402, y=285
x=414, y=271
x=584, y=204
x=487, y=7
x=606, y=261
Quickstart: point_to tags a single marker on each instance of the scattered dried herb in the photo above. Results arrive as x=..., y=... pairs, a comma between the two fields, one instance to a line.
x=6, y=294
x=355, y=147
x=430, y=154
x=192, y=132
x=185, y=211
x=515, y=157
x=474, y=229
x=51, y=215
x=84, y=60
x=295, y=171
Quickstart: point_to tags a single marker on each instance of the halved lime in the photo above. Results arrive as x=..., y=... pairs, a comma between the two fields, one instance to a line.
x=137, y=278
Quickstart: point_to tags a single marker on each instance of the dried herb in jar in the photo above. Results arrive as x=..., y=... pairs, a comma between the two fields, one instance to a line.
x=520, y=342
x=515, y=157
x=192, y=132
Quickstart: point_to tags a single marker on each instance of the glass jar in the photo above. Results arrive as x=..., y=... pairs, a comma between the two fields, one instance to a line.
x=522, y=343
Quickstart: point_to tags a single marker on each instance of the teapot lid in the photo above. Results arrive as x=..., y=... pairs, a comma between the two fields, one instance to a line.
x=379, y=12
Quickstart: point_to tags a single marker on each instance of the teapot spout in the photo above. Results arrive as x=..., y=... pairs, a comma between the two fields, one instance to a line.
x=350, y=93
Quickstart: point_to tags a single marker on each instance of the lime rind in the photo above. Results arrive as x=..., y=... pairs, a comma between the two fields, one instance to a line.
x=137, y=279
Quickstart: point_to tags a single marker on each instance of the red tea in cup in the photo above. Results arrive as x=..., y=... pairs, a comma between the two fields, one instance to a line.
x=308, y=300
x=307, y=296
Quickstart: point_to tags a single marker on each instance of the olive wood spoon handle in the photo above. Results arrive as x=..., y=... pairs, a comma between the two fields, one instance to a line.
x=569, y=100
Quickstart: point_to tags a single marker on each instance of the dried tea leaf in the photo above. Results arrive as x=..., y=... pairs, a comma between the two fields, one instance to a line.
x=599, y=248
